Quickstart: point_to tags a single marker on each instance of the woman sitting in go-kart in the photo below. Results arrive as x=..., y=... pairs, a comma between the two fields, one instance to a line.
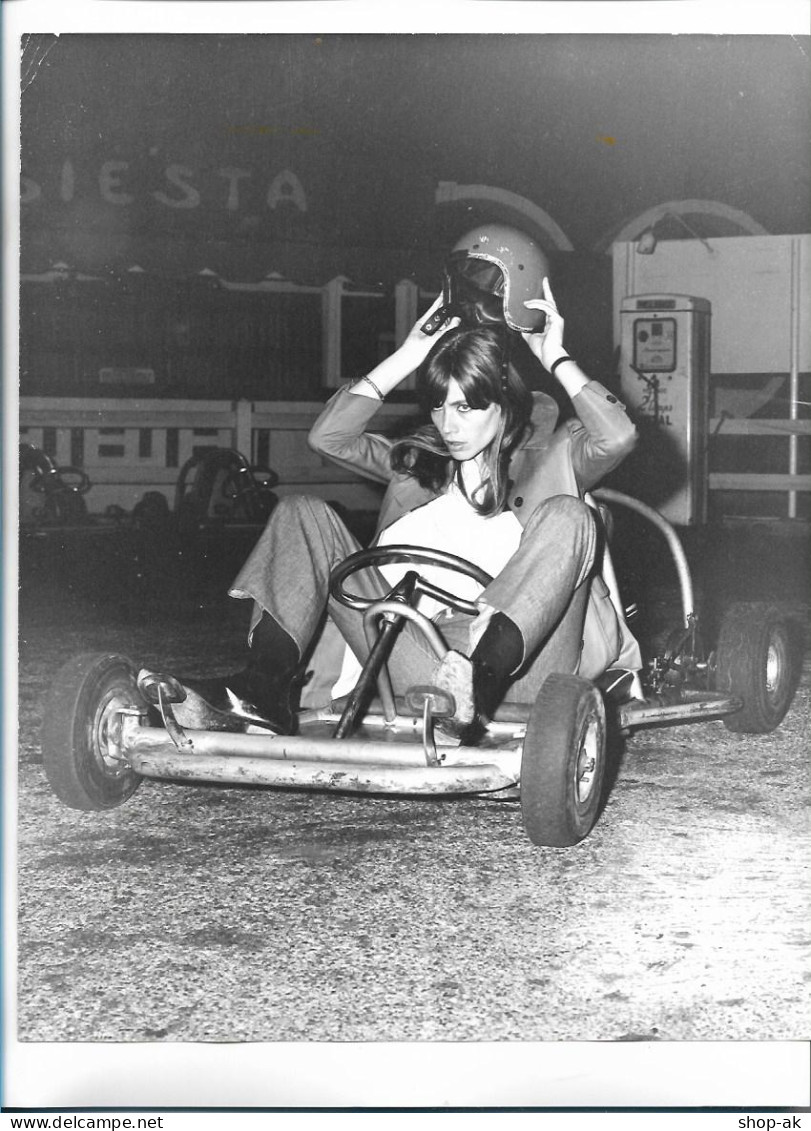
x=489, y=478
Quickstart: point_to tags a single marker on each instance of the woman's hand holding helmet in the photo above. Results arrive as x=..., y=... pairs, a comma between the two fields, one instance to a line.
x=546, y=344
x=418, y=341
x=409, y=356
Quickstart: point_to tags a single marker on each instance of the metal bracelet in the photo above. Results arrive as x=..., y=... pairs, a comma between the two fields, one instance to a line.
x=370, y=382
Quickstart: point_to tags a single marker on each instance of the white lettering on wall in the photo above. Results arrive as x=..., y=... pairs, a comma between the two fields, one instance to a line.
x=175, y=175
x=109, y=183
x=287, y=187
x=234, y=176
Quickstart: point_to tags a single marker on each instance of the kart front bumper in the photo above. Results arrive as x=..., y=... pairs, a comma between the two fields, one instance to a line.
x=316, y=761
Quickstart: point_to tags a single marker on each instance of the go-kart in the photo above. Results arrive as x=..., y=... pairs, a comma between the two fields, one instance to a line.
x=107, y=727
x=219, y=486
x=134, y=558
x=50, y=495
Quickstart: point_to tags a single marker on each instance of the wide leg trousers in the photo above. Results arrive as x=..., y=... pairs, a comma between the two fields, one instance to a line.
x=543, y=589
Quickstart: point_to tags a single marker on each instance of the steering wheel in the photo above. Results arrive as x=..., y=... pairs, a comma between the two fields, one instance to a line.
x=408, y=555
x=243, y=481
x=80, y=480
x=55, y=480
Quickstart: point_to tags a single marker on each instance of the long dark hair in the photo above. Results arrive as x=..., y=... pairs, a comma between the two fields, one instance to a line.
x=478, y=360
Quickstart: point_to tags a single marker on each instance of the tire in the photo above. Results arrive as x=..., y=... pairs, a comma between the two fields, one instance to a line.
x=77, y=747
x=758, y=661
x=563, y=762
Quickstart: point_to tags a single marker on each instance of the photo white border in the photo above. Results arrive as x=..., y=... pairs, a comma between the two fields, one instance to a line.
x=163, y=1076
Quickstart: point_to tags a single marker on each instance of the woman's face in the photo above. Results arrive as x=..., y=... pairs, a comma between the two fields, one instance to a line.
x=466, y=431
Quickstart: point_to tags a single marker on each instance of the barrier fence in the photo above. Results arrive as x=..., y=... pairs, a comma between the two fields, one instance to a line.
x=128, y=447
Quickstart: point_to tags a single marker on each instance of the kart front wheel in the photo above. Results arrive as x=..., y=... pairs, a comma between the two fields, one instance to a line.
x=757, y=660
x=563, y=762
x=80, y=747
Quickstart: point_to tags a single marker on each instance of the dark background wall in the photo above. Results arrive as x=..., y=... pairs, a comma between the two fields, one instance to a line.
x=315, y=156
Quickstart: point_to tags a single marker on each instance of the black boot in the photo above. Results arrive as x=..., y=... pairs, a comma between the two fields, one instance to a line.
x=478, y=682
x=262, y=694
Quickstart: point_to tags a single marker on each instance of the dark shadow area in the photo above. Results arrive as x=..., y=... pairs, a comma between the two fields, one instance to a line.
x=728, y=563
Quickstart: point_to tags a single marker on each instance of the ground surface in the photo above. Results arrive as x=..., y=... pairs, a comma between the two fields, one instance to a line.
x=200, y=914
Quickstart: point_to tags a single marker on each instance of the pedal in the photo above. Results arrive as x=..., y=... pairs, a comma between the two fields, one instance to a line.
x=162, y=691
x=617, y=685
x=441, y=703
x=154, y=686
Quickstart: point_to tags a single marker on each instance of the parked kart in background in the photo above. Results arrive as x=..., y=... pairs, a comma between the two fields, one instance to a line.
x=108, y=725
x=216, y=487
x=155, y=552
x=50, y=495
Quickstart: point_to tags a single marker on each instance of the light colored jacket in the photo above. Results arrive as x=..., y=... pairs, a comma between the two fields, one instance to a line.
x=568, y=459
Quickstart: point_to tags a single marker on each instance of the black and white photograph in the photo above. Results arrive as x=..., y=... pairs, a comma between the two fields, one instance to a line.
x=407, y=568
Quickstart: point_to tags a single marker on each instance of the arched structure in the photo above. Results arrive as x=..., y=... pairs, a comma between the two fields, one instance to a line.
x=508, y=207
x=632, y=229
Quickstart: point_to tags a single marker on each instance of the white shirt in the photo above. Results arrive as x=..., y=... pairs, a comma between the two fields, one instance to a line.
x=451, y=524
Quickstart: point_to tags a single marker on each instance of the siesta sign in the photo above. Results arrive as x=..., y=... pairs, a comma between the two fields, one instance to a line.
x=120, y=183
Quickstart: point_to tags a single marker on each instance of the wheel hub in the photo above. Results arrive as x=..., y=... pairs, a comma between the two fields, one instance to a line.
x=106, y=732
x=773, y=669
x=586, y=768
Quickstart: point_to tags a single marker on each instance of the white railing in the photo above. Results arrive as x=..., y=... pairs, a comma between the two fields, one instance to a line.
x=791, y=482
x=129, y=447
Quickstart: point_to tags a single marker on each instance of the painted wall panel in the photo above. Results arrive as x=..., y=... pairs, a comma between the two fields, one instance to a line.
x=748, y=281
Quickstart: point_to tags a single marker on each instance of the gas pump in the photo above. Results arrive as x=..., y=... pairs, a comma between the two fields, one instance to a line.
x=664, y=373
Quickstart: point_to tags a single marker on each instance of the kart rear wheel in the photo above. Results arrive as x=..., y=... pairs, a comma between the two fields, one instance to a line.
x=757, y=660
x=563, y=762
x=80, y=750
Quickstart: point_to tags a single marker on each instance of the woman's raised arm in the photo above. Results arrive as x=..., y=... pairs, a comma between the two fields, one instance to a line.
x=386, y=376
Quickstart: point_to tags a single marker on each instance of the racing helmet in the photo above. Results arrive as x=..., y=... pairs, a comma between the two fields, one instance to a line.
x=491, y=271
